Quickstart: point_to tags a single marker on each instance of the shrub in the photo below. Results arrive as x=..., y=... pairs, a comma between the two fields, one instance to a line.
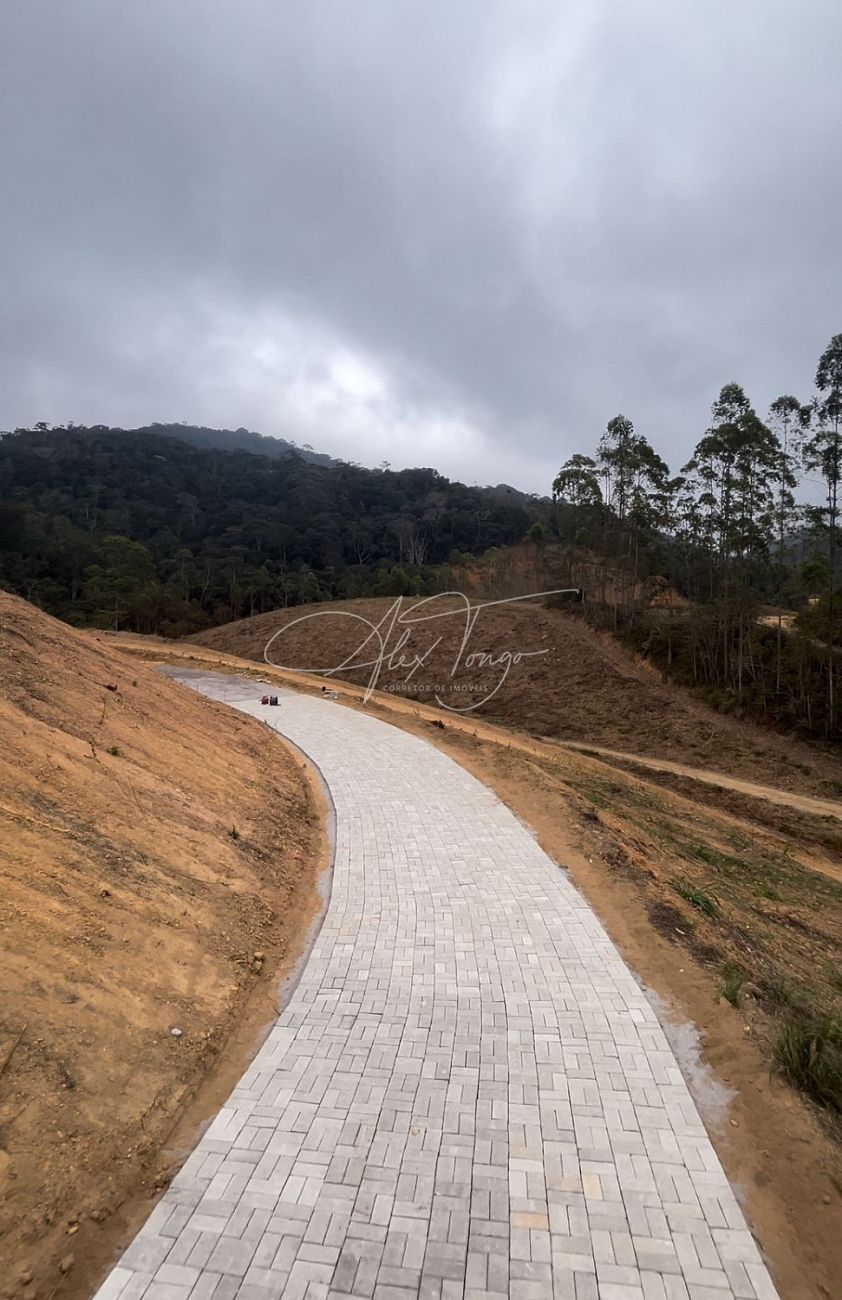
x=696, y=897
x=733, y=980
x=809, y=1054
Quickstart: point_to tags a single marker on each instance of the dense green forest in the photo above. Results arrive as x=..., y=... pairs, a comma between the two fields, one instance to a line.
x=730, y=535
x=172, y=528
x=137, y=530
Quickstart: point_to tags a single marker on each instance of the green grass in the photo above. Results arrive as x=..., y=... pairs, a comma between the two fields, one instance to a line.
x=696, y=898
x=733, y=979
x=596, y=797
x=714, y=857
x=809, y=1054
x=783, y=992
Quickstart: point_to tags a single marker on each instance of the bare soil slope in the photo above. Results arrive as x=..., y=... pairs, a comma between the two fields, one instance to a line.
x=571, y=683
x=151, y=844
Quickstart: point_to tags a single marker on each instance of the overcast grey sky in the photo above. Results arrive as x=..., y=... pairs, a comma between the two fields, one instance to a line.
x=460, y=233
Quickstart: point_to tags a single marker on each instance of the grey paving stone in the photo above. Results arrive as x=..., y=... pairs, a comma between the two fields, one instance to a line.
x=468, y=1093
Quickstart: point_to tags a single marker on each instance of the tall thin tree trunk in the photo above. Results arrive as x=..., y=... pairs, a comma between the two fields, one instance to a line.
x=833, y=495
x=779, y=646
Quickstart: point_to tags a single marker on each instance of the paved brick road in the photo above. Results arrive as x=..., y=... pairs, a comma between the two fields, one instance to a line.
x=468, y=1094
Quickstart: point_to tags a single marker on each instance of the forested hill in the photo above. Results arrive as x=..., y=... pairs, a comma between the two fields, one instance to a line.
x=140, y=531
x=261, y=444
x=207, y=439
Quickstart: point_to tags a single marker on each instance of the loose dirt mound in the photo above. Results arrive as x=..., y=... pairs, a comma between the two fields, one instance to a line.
x=570, y=683
x=151, y=843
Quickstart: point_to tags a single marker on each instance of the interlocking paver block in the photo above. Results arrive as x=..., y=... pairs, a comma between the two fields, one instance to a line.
x=468, y=1095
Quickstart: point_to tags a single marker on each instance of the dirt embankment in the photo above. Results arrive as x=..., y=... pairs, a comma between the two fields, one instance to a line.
x=727, y=904
x=158, y=856
x=570, y=683
x=761, y=953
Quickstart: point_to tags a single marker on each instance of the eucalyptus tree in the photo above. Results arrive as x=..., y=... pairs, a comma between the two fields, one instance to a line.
x=788, y=420
x=616, y=460
x=823, y=452
x=711, y=469
x=649, y=499
x=578, y=499
x=635, y=479
x=696, y=513
x=577, y=482
x=734, y=467
x=686, y=524
x=754, y=499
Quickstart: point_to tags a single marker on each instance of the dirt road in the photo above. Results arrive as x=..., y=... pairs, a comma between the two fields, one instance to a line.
x=783, y=798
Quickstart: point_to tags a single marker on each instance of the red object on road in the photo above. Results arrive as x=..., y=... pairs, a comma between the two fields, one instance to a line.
x=264, y=699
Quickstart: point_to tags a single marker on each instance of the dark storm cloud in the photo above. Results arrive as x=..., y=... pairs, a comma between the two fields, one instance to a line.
x=456, y=234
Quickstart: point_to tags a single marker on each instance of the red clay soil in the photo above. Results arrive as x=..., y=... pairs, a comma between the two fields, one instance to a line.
x=158, y=856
